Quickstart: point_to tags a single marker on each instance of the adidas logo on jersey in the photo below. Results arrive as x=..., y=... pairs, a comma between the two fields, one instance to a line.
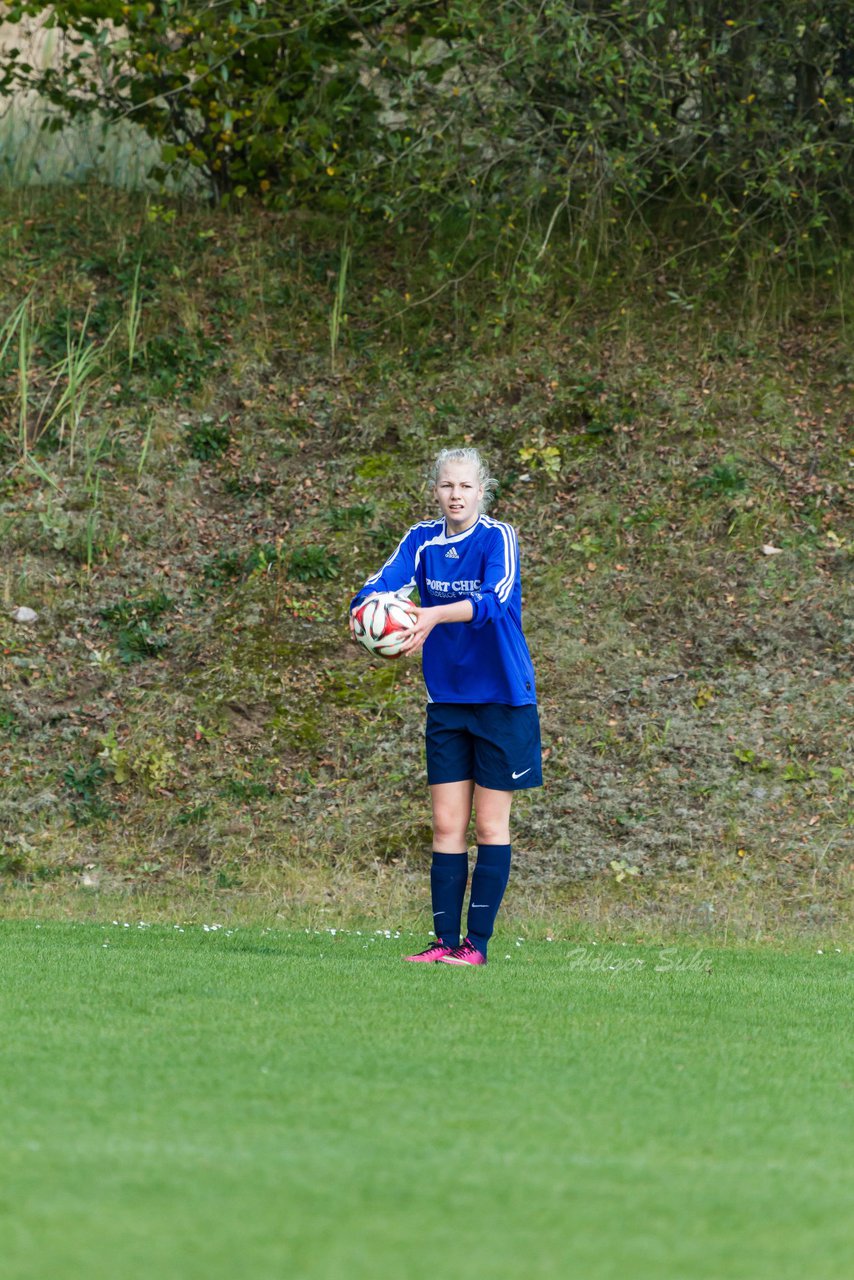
x=452, y=554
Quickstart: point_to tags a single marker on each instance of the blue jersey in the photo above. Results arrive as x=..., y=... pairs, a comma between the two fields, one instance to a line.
x=487, y=659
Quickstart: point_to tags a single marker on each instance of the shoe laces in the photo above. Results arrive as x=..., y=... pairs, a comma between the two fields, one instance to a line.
x=465, y=948
x=432, y=946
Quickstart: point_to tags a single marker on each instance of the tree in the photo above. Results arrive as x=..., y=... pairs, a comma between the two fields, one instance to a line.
x=741, y=112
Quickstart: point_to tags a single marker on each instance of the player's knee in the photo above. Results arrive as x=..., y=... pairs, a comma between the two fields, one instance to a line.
x=448, y=833
x=493, y=832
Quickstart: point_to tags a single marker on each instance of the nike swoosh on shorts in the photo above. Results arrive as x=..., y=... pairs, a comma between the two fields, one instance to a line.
x=520, y=775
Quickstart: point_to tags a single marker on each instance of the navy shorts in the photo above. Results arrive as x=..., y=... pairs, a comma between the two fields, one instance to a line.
x=497, y=746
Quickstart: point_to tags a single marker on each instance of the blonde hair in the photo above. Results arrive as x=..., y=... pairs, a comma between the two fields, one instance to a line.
x=472, y=458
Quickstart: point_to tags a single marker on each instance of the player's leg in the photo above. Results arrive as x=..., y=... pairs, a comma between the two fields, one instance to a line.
x=449, y=872
x=507, y=759
x=492, y=815
x=492, y=869
x=450, y=773
x=452, y=806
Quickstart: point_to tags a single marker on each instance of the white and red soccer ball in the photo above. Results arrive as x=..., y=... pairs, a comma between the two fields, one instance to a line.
x=382, y=623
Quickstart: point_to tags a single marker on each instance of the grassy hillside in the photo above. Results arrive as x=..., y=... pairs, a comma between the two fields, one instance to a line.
x=198, y=469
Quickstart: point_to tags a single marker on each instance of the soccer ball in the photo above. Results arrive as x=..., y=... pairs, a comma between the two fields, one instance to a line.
x=382, y=624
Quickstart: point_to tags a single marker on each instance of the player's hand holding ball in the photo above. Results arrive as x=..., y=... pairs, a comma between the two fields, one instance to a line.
x=384, y=624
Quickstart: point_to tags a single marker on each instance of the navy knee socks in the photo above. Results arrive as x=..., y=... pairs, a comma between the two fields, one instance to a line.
x=491, y=873
x=448, y=875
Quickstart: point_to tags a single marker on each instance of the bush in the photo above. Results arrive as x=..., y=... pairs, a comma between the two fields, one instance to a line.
x=478, y=115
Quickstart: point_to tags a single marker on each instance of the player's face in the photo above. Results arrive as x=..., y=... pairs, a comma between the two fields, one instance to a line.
x=459, y=495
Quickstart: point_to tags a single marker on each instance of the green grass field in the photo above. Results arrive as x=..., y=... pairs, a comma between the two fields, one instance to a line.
x=206, y=1102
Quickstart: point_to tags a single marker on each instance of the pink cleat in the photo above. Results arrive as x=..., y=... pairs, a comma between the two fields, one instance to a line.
x=465, y=953
x=436, y=951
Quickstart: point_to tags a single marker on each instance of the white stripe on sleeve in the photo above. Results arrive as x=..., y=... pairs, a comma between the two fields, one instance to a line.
x=505, y=586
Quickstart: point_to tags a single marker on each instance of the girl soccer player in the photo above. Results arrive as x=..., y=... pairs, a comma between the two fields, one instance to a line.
x=483, y=731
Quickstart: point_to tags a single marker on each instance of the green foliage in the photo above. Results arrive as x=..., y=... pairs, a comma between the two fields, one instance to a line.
x=135, y=619
x=128, y=612
x=262, y=99
x=622, y=869
x=9, y=724
x=311, y=564
x=795, y=771
x=209, y=439
x=138, y=642
x=724, y=479
x=228, y=566
x=223, y=567
x=344, y=518
x=151, y=764
x=87, y=804
x=262, y=557
x=377, y=466
x=304, y=564
x=177, y=361
x=227, y=879
x=194, y=816
x=541, y=457
x=476, y=116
